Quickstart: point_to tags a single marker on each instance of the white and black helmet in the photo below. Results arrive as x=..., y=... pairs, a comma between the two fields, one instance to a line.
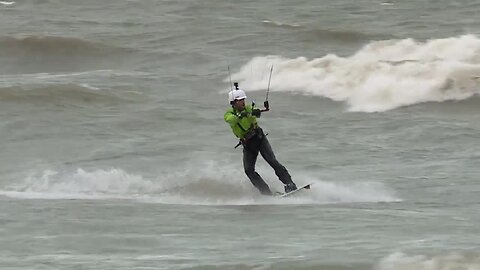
x=236, y=95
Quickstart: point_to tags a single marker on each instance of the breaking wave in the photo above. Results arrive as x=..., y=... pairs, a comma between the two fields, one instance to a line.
x=382, y=76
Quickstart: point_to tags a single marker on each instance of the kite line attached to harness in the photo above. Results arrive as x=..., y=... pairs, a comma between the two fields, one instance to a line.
x=265, y=103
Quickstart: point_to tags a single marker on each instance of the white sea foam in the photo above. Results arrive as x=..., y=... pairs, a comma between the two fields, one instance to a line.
x=381, y=76
x=209, y=185
x=98, y=184
x=451, y=261
x=277, y=23
x=7, y=3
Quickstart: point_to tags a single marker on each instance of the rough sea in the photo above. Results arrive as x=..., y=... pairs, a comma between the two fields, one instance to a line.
x=114, y=153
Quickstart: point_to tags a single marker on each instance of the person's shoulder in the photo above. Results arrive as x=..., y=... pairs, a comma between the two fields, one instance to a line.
x=248, y=107
x=229, y=111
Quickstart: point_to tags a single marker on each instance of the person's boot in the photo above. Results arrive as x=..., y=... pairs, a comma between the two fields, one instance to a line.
x=290, y=187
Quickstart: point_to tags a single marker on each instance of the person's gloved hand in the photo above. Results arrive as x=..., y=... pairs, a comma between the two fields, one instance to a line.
x=256, y=112
x=244, y=114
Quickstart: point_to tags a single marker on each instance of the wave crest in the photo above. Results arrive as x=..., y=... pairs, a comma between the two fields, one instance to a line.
x=34, y=54
x=64, y=94
x=382, y=76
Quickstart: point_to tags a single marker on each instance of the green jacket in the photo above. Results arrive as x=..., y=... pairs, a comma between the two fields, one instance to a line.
x=241, y=125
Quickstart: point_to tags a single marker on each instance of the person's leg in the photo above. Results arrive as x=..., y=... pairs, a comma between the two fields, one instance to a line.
x=249, y=160
x=267, y=153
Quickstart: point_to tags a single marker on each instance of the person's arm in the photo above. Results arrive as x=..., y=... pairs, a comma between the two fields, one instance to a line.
x=256, y=112
x=231, y=118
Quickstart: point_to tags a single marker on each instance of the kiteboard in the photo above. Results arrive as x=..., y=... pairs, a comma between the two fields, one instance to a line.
x=307, y=186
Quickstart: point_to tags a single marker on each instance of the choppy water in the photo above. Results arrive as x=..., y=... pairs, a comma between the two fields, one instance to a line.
x=115, y=154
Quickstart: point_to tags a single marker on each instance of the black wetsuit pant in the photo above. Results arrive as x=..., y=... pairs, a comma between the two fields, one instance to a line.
x=250, y=153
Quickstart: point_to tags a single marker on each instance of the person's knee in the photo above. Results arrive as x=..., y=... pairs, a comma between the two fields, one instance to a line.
x=274, y=163
x=249, y=171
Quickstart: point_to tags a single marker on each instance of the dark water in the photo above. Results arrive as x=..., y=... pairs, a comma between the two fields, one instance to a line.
x=115, y=154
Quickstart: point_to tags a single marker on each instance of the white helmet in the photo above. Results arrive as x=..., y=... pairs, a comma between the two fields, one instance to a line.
x=236, y=95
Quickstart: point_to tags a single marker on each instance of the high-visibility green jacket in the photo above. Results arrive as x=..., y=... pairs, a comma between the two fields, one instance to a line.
x=241, y=125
